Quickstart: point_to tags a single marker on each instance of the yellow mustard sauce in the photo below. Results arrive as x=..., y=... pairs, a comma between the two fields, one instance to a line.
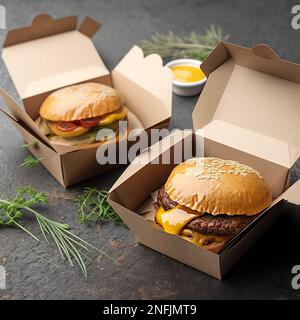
x=187, y=73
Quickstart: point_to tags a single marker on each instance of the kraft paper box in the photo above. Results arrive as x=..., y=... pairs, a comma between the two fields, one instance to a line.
x=248, y=112
x=51, y=54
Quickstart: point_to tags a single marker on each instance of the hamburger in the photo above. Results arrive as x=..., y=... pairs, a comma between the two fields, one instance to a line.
x=208, y=201
x=73, y=115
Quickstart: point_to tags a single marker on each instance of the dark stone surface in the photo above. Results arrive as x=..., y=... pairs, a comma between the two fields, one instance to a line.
x=36, y=271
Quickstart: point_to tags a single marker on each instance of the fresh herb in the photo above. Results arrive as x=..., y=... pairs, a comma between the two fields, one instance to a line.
x=92, y=206
x=69, y=245
x=31, y=144
x=30, y=161
x=195, y=46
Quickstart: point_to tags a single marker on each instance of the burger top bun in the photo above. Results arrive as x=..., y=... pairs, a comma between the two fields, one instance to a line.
x=81, y=101
x=218, y=186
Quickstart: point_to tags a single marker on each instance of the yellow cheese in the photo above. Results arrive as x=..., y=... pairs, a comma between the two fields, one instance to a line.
x=173, y=220
x=110, y=118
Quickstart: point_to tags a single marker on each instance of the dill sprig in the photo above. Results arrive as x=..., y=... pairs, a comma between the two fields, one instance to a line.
x=195, y=46
x=28, y=145
x=92, y=206
x=30, y=161
x=69, y=245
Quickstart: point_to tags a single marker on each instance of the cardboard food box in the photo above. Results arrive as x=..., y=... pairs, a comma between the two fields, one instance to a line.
x=51, y=54
x=248, y=112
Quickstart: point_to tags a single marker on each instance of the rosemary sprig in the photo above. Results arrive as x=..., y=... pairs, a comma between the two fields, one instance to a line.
x=195, y=46
x=69, y=245
x=30, y=161
x=92, y=206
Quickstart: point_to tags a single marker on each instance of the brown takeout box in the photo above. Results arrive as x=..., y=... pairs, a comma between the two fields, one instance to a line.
x=51, y=54
x=248, y=112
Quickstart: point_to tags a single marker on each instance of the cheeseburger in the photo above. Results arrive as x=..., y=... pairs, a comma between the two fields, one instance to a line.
x=208, y=201
x=73, y=115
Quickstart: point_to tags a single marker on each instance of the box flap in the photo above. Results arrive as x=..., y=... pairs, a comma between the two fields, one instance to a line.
x=250, y=101
x=175, y=247
x=18, y=114
x=51, y=54
x=89, y=27
x=292, y=194
x=143, y=81
x=42, y=26
x=151, y=155
x=245, y=239
x=48, y=157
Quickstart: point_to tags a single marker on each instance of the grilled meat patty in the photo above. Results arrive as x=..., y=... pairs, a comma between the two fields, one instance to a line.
x=163, y=200
x=221, y=225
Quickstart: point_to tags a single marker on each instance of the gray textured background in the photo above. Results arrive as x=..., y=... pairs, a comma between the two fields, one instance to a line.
x=36, y=271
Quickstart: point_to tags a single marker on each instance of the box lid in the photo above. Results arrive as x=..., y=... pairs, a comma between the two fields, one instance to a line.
x=51, y=54
x=146, y=86
x=251, y=102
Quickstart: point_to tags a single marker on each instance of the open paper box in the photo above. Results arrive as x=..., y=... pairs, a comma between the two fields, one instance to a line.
x=248, y=112
x=51, y=54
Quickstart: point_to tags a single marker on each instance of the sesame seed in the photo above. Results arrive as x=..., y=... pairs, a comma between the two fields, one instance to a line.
x=213, y=168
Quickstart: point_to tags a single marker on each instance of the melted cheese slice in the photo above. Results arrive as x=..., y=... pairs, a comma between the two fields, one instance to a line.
x=110, y=118
x=174, y=220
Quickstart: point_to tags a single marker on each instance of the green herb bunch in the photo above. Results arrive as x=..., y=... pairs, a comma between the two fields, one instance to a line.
x=92, y=206
x=196, y=46
x=30, y=161
x=70, y=246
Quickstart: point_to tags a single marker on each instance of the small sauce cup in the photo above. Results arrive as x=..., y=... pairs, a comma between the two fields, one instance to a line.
x=187, y=87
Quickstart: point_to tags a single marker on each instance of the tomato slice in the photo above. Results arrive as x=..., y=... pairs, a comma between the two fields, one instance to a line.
x=89, y=123
x=66, y=126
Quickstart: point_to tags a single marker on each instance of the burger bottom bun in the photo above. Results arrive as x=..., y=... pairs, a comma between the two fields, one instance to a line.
x=215, y=246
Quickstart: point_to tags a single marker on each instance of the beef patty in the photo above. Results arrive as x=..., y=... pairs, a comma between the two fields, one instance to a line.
x=221, y=225
x=163, y=200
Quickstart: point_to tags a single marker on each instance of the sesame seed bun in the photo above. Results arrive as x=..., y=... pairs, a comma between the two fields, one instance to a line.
x=217, y=186
x=81, y=101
